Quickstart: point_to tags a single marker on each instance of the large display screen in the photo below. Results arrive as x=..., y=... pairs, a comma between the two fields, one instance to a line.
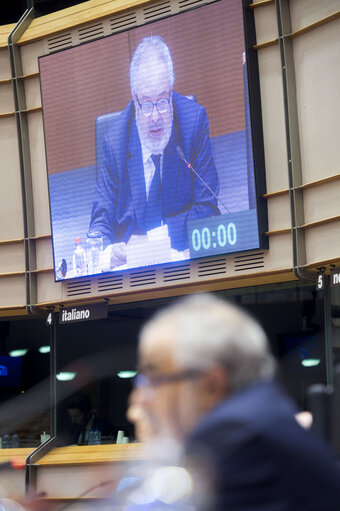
x=150, y=154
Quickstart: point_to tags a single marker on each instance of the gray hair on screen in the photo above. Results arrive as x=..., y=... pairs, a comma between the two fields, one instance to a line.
x=209, y=331
x=148, y=48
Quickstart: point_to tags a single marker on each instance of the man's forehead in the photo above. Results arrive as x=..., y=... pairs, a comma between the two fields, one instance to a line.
x=152, y=76
x=156, y=349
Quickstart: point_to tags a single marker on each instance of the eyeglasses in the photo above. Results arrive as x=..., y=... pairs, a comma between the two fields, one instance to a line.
x=162, y=106
x=155, y=380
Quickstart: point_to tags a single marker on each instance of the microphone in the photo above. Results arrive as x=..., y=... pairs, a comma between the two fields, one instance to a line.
x=182, y=157
x=61, y=269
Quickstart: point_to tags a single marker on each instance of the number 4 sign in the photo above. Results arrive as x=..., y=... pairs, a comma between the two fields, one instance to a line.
x=50, y=319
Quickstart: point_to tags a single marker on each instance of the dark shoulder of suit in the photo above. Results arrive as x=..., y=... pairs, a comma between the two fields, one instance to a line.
x=186, y=112
x=118, y=134
x=253, y=450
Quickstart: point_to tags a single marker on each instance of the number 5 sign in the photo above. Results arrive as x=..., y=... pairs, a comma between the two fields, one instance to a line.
x=320, y=282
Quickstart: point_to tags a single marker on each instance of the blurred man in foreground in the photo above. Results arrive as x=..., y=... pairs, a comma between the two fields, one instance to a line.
x=206, y=377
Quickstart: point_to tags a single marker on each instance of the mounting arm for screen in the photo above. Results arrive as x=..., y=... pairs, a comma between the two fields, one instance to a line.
x=29, y=223
x=25, y=160
x=293, y=142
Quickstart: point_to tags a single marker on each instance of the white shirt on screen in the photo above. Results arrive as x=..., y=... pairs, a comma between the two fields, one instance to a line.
x=149, y=169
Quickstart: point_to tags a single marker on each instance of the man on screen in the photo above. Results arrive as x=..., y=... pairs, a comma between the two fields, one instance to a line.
x=144, y=182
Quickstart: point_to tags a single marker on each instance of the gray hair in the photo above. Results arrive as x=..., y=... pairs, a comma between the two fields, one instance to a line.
x=210, y=331
x=150, y=46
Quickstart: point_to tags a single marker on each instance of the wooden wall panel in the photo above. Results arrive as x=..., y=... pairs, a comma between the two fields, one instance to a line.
x=317, y=67
x=323, y=242
x=306, y=12
x=280, y=251
x=6, y=98
x=11, y=225
x=44, y=254
x=47, y=289
x=322, y=202
x=12, y=291
x=273, y=119
x=279, y=213
x=32, y=92
x=39, y=175
x=12, y=257
x=29, y=56
x=266, y=24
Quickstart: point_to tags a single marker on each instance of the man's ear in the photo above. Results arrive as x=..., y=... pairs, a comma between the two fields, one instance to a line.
x=214, y=386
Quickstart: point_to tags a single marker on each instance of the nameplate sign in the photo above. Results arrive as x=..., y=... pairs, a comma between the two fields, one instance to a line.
x=83, y=313
x=335, y=277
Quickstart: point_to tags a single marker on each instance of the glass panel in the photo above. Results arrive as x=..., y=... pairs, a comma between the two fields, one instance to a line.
x=335, y=319
x=293, y=318
x=24, y=382
x=93, y=353
x=93, y=361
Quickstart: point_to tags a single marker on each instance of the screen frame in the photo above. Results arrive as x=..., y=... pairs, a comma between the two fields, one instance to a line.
x=257, y=141
x=255, y=110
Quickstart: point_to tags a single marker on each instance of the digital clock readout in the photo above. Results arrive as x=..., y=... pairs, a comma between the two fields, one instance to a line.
x=222, y=234
x=205, y=238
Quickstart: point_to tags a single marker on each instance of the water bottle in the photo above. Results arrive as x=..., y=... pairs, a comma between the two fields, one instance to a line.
x=94, y=252
x=91, y=438
x=79, y=259
x=14, y=442
x=44, y=437
x=97, y=437
x=6, y=441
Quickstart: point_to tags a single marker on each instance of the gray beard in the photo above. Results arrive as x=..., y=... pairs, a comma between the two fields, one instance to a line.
x=156, y=147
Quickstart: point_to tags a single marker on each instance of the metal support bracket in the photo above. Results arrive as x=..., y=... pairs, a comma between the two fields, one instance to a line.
x=25, y=160
x=293, y=142
x=295, y=171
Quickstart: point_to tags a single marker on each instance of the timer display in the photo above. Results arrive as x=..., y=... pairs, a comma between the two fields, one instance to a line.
x=205, y=238
x=233, y=232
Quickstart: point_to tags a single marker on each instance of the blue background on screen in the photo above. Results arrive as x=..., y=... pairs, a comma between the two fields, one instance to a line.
x=72, y=192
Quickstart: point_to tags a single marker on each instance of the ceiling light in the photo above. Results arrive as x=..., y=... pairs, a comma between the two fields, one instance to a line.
x=66, y=376
x=310, y=362
x=18, y=353
x=44, y=349
x=127, y=374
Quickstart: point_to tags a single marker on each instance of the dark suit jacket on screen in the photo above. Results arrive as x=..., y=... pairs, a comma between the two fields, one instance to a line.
x=120, y=198
x=260, y=459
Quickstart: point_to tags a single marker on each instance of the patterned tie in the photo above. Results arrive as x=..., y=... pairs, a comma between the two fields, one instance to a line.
x=153, y=213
